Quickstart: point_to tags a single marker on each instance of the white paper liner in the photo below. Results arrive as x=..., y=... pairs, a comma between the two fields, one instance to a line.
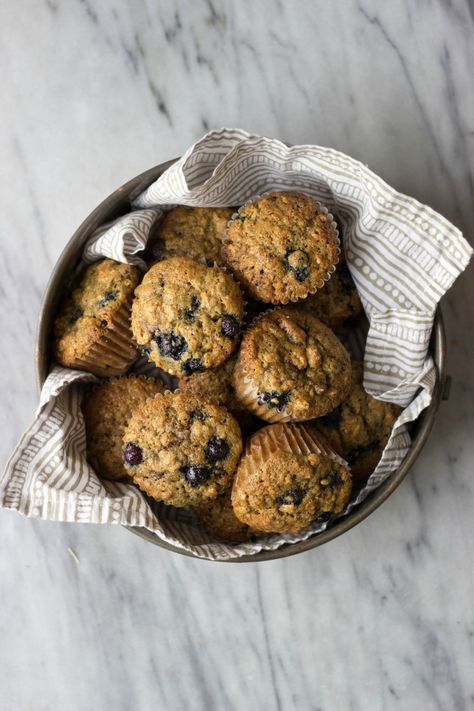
x=402, y=255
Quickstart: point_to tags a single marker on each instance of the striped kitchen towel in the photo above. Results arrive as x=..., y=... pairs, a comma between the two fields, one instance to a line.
x=403, y=257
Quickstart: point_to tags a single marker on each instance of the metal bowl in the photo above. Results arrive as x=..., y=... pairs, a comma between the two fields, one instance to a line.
x=117, y=204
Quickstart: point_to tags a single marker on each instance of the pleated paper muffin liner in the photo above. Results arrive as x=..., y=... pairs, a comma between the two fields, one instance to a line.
x=293, y=437
x=322, y=209
x=115, y=351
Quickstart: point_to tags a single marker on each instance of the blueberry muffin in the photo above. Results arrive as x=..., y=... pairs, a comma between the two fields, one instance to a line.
x=187, y=317
x=217, y=385
x=219, y=520
x=359, y=428
x=181, y=449
x=195, y=232
x=281, y=247
x=92, y=329
x=337, y=303
x=107, y=410
x=287, y=479
x=291, y=367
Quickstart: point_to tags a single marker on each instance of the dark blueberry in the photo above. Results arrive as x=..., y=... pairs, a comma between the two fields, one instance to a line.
x=190, y=313
x=217, y=449
x=332, y=419
x=132, y=454
x=274, y=399
x=332, y=480
x=359, y=452
x=291, y=497
x=145, y=350
x=156, y=251
x=198, y=415
x=345, y=277
x=171, y=345
x=230, y=326
x=297, y=262
x=75, y=314
x=108, y=296
x=193, y=365
x=196, y=474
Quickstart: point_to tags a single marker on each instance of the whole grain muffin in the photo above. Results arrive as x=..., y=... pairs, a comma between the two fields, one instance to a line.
x=181, y=449
x=359, y=428
x=291, y=367
x=218, y=518
x=217, y=385
x=337, y=303
x=187, y=317
x=107, y=410
x=281, y=247
x=287, y=478
x=92, y=330
x=195, y=232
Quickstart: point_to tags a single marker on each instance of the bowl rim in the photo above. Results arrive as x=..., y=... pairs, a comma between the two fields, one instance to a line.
x=67, y=259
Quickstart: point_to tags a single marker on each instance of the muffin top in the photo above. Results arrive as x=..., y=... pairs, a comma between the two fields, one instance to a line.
x=107, y=410
x=181, y=449
x=186, y=316
x=195, y=232
x=97, y=296
x=217, y=385
x=282, y=487
x=337, y=303
x=359, y=428
x=218, y=518
x=291, y=367
x=281, y=247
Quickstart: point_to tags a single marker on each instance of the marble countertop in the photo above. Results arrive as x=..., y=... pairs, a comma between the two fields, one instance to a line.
x=93, y=617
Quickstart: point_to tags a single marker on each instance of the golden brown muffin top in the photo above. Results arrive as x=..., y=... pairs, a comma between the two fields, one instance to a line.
x=281, y=247
x=359, y=428
x=187, y=316
x=218, y=518
x=107, y=410
x=195, y=232
x=293, y=363
x=98, y=294
x=217, y=385
x=337, y=302
x=181, y=449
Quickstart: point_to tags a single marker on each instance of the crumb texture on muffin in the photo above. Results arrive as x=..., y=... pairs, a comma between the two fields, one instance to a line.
x=337, y=303
x=96, y=314
x=359, y=428
x=291, y=366
x=217, y=384
x=187, y=317
x=283, y=483
x=219, y=520
x=195, y=232
x=181, y=449
x=107, y=410
x=281, y=247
